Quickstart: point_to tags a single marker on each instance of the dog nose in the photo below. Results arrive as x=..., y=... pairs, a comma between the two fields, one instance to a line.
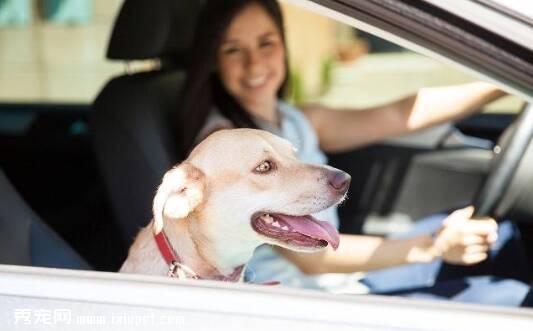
x=339, y=180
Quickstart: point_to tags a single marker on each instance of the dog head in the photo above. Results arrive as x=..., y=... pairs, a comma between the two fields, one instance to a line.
x=242, y=188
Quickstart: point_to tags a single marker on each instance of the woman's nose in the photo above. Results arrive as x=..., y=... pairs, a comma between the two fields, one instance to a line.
x=253, y=60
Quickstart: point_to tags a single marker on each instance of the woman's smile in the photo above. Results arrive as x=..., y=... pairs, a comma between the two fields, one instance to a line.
x=256, y=82
x=251, y=60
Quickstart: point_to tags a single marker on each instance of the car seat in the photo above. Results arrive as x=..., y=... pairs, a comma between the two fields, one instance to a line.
x=26, y=239
x=131, y=116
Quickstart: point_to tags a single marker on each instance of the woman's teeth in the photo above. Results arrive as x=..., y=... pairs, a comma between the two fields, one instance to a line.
x=256, y=81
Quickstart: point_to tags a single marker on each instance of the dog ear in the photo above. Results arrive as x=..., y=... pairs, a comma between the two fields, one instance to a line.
x=180, y=192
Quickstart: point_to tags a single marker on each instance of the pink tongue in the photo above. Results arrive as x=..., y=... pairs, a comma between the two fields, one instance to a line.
x=310, y=226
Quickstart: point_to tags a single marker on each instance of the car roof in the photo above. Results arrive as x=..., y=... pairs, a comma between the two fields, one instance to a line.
x=497, y=16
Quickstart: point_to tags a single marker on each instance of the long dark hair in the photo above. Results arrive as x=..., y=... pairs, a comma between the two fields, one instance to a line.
x=203, y=89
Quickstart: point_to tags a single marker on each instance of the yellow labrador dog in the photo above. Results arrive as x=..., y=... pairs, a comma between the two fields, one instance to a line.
x=238, y=189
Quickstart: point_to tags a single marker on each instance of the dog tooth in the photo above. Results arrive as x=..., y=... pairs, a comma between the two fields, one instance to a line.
x=276, y=224
x=286, y=228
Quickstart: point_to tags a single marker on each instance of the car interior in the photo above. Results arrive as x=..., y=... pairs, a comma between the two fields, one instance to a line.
x=79, y=179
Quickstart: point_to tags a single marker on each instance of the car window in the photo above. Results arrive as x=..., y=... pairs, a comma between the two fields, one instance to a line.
x=55, y=52
x=344, y=67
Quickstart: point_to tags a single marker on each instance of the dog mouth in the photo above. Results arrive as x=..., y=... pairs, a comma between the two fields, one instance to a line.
x=300, y=232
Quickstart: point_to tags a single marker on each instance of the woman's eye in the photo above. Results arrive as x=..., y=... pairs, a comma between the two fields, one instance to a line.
x=268, y=43
x=264, y=167
x=229, y=51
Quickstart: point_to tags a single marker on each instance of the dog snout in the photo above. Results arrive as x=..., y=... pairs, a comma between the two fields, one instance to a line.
x=339, y=180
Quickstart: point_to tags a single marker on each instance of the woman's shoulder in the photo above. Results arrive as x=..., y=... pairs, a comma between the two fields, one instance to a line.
x=296, y=115
x=215, y=121
x=289, y=110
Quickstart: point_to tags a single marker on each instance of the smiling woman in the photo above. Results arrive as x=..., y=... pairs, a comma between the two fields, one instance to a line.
x=240, y=55
x=251, y=62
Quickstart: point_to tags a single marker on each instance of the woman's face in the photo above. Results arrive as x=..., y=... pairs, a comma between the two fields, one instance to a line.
x=251, y=58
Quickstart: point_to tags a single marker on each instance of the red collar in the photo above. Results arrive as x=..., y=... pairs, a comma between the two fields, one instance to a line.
x=178, y=269
x=165, y=248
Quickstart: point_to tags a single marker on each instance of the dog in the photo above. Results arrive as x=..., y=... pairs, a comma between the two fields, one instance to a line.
x=238, y=189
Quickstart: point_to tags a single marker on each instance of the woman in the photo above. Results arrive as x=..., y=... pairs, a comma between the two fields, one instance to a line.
x=237, y=77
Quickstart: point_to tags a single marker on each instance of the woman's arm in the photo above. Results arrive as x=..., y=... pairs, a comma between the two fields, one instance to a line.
x=362, y=253
x=460, y=240
x=342, y=130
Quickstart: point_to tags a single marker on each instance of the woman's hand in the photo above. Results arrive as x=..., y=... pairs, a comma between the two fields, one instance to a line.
x=463, y=240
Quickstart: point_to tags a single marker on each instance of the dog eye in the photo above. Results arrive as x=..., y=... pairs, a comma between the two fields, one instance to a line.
x=264, y=167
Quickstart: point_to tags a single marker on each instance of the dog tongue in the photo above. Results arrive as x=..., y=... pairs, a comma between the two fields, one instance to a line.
x=310, y=226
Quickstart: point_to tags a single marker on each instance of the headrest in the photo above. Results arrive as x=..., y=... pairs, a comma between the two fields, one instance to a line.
x=154, y=29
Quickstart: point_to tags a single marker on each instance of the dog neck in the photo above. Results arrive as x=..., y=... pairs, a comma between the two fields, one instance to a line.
x=192, y=253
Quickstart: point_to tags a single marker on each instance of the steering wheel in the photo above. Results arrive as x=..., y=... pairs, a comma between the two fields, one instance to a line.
x=513, y=146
